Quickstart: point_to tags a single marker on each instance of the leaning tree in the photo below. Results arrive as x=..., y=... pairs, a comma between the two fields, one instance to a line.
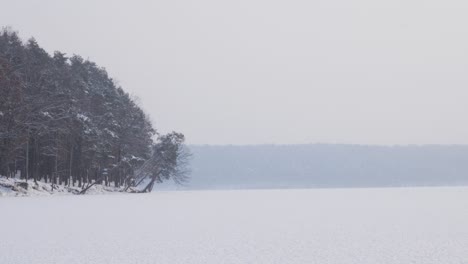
x=169, y=160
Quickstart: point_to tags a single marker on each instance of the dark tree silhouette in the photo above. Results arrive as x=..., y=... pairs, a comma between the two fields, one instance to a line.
x=63, y=120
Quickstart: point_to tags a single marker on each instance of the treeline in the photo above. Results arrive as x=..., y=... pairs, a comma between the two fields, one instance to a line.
x=63, y=120
x=328, y=165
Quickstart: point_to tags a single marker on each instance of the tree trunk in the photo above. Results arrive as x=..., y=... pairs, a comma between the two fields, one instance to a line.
x=70, y=166
x=27, y=160
x=150, y=185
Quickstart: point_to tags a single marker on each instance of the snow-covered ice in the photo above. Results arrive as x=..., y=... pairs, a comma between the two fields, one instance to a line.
x=374, y=226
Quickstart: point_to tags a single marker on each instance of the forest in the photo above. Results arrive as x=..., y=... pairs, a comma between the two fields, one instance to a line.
x=64, y=120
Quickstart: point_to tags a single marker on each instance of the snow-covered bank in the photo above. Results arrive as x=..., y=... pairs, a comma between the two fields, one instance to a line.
x=334, y=226
x=17, y=187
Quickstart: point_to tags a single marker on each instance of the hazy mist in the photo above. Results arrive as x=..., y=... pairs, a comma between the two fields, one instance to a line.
x=242, y=72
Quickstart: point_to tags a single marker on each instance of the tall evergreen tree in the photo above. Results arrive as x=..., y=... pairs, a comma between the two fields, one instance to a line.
x=64, y=120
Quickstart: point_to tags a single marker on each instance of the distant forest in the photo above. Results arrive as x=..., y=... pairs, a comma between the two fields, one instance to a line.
x=63, y=120
x=327, y=165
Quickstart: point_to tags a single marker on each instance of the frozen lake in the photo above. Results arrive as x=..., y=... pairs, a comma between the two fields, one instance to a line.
x=393, y=225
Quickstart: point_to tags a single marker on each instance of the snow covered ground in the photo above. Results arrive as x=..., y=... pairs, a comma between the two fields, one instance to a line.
x=374, y=226
x=18, y=187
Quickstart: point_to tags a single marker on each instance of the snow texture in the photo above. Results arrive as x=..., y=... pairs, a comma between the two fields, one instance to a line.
x=324, y=226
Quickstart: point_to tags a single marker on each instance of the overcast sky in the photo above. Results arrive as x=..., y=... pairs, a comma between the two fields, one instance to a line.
x=266, y=71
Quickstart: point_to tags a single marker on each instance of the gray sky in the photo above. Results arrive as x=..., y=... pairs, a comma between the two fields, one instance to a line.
x=258, y=71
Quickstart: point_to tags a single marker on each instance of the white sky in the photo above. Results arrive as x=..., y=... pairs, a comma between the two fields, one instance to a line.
x=267, y=71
